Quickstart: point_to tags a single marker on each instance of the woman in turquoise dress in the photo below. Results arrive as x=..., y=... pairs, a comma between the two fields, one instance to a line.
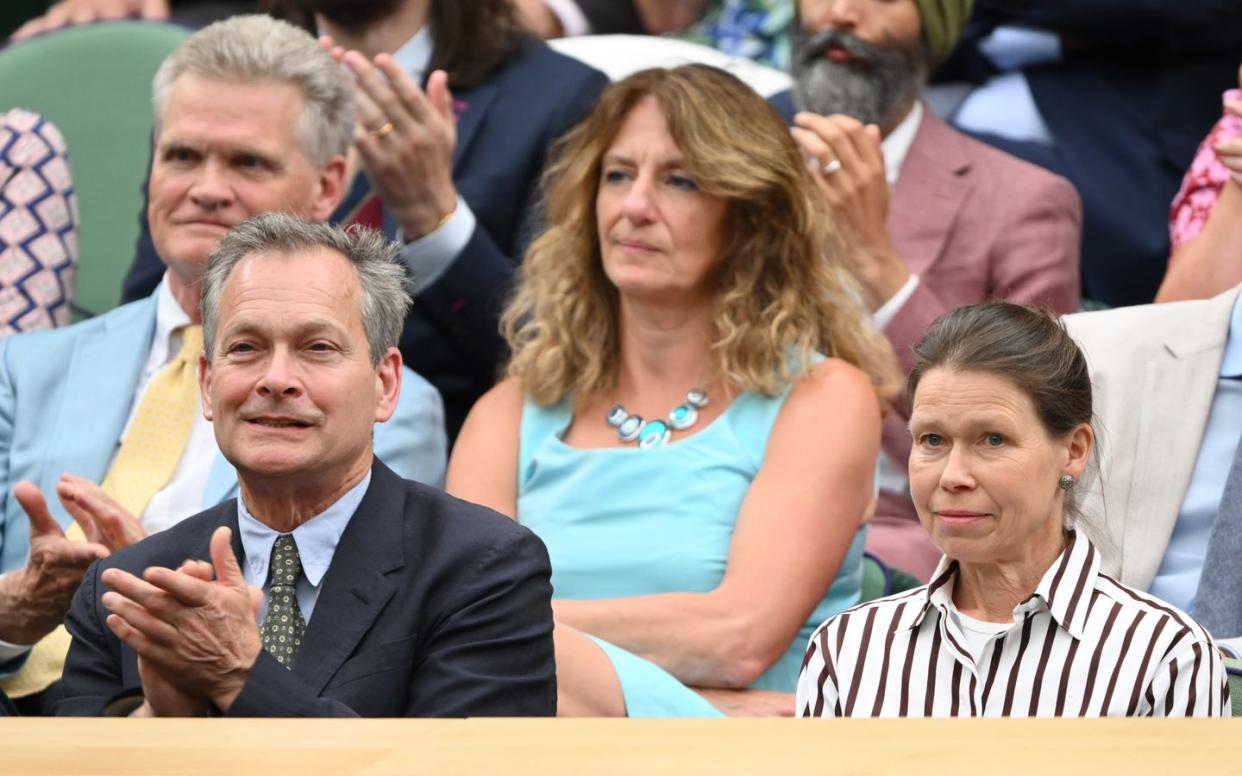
x=691, y=416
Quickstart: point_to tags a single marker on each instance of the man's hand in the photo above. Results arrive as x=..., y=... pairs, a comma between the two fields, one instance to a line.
x=750, y=703
x=202, y=633
x=1230, y=151
x=102, y=518
x=162, y=696
x=405, y=139
x=35, y=599
x=847, y=164
x=82, y=11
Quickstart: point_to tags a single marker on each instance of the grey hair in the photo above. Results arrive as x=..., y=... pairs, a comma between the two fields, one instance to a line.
x=258, y=48
x=382, y=277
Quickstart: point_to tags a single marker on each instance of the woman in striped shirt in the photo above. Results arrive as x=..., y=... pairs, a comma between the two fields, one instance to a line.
x=1018, y=619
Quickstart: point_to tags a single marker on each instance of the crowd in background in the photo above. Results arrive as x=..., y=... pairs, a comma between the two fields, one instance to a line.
x=960, y=307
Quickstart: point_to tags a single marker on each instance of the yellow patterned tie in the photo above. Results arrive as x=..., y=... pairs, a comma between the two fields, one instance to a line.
x=144, y=464
x=161, y=427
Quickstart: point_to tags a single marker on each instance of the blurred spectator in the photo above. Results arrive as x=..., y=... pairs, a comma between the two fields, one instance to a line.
x=1112, y=94
x=454, y=175
x=38, y=225
x=1168, y=392
x=753, y=29
x=195, y=13
x=1205, y=224
x=930, y=219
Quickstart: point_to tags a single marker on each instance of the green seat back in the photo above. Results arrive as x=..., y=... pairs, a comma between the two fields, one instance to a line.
x=94, y=83
x=1234, y=668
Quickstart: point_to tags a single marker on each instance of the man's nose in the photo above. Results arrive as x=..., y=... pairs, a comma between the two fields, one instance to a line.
x=280, y=377
x=212, y=187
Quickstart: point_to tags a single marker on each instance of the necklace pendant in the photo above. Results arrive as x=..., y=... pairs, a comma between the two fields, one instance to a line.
x=628, y=430
x=654, y=434
x=683, y=416
x=616, y=416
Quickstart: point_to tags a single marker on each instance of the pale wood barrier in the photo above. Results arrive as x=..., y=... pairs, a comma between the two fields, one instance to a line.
x=765, y=747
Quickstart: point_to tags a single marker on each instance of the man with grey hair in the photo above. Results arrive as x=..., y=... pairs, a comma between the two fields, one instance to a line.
x=251, y=116
x=331, y=586
x=931, y=219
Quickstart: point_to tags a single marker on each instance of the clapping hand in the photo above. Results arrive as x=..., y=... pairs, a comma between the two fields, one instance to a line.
x=405, y=139
x=201, y=632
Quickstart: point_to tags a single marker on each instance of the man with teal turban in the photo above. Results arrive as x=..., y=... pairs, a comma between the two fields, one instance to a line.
x=930, y=219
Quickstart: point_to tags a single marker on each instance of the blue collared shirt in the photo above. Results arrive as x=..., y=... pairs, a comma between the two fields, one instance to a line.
x=316, y=540
x=1177, y=580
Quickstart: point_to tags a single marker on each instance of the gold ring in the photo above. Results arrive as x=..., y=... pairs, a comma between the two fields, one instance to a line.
x=381, y=131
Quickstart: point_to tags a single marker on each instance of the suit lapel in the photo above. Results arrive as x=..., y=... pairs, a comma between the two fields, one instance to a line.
x=934, y=180
x=1182, y=375
x=470, y=107
x=356, y=587
x=93, y=410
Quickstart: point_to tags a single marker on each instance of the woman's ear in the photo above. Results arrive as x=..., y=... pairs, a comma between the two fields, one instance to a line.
x=1079, y=443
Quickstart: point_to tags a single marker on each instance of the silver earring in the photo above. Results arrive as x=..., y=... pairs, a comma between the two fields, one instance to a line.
x=1066, y=482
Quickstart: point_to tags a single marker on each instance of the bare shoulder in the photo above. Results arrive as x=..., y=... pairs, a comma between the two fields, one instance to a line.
x=483, y=467
x=833, y=386
x=502, y=403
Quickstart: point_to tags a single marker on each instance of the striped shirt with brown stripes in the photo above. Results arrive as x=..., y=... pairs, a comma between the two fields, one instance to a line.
x=1082, y=644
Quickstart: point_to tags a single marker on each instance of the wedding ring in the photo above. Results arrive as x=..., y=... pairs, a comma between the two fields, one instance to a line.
x=831, y=166
x=379, y=132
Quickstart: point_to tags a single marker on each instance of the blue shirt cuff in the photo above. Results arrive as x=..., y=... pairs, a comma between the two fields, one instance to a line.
x=430, y=256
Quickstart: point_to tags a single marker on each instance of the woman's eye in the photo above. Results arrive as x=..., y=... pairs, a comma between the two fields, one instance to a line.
x=683, y=182
x=932, y=440
x=614, y=176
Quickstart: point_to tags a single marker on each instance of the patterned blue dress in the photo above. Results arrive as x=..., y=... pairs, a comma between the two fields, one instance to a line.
x=622, y=522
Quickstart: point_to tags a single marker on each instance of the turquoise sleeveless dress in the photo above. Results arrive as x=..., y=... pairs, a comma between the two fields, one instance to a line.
x=622, y=522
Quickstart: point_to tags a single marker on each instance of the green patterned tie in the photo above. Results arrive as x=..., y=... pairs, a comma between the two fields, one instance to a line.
x=283, y=626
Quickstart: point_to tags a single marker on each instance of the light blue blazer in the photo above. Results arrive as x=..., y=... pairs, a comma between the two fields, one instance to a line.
x=65, y=395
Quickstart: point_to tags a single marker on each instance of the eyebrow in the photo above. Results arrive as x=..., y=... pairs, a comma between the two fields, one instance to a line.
x=625, y=161
x=308, y=329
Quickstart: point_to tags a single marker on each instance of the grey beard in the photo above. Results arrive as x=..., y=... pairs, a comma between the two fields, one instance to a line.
x=876, y=91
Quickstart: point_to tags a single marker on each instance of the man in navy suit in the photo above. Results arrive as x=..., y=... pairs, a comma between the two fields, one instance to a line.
x=1112, y=94
x=331, y=586
x=453, y=174
x=251, y=116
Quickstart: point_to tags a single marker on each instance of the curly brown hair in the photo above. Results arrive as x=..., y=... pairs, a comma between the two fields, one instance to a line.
x=781, y=292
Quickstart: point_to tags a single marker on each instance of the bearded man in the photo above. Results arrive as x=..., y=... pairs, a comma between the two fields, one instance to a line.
x=930, y=219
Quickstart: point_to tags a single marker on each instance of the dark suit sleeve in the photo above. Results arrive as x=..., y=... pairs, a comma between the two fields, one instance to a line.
x=492, y=656
x=465, y=302
x=1119, y=22
x=489, y=650
x=92, y=677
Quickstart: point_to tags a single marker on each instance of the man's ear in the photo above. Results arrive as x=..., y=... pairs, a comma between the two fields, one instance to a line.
x=204, y=384
x=329, y=189
x=387, y=385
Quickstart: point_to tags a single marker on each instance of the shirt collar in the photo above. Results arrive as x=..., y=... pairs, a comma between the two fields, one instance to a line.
x=897, y=145
x=169, y=317
x=1064, y=589
x=414, y=56
x=316, y=539
x=1231, y=364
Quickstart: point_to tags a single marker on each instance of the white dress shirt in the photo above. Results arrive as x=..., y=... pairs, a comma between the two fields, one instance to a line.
x=183, y=495
x=896, y=148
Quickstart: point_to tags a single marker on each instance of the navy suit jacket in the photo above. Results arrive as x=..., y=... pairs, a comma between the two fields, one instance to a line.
x=431, y=607
x=1136, y=91
x=505, y=126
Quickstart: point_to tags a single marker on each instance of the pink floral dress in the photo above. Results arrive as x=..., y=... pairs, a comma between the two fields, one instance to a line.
x=1204, y=180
